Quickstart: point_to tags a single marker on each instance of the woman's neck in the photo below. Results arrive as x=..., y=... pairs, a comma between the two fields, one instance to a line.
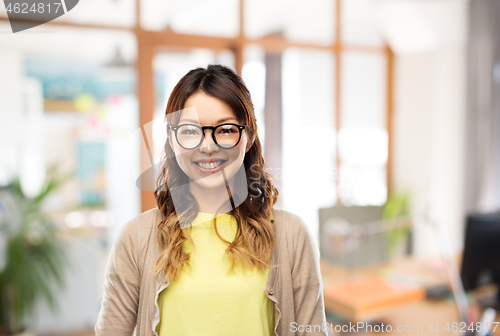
x=210, y=200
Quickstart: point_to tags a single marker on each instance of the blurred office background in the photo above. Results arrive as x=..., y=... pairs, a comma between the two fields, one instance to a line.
x=356, y=101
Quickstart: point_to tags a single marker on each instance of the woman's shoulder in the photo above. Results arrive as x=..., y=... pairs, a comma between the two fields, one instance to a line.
x=289, y=222
x=148, y=216
x=148, y=220
x=293, y=233
x=141, y=223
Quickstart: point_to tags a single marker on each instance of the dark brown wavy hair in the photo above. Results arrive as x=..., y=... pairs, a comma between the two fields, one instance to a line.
x=254, y=240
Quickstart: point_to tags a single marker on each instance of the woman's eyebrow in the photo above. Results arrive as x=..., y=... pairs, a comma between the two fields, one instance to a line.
x=225, y=119
x=190, y=120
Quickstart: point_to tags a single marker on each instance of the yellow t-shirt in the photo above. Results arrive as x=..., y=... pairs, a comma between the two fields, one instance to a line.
x=204, y=300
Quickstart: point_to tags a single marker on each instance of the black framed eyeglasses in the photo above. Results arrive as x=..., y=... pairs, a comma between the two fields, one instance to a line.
x=190, y=136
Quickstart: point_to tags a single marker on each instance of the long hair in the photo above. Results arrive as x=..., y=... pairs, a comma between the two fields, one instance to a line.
x=254, y=240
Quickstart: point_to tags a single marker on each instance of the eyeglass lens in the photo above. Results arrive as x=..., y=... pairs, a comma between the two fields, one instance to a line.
x=226, y=136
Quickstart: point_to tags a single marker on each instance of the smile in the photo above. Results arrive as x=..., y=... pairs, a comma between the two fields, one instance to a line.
x=209, y=167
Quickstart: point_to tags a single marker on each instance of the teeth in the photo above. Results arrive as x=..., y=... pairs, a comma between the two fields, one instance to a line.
x=209, y=165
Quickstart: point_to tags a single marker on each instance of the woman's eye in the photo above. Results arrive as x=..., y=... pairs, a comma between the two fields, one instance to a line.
x=230, y=130
x=189, y=132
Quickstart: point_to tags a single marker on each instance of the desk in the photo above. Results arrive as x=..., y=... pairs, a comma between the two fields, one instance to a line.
x=418, y=313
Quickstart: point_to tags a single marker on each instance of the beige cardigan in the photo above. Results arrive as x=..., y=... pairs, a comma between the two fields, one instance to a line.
x=129, y=305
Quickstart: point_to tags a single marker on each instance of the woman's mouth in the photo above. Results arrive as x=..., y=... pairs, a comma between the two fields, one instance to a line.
x=210, y=168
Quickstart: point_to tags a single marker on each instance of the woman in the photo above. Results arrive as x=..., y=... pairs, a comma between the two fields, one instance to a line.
x=214, y=258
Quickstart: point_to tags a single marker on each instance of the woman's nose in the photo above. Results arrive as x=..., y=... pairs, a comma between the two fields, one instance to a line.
x=208, y=145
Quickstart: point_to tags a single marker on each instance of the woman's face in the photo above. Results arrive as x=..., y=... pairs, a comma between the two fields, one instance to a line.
x=204, y=110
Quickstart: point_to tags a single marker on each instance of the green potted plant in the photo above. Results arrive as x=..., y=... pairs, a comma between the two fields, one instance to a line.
x=33, y=257
x=397, y=206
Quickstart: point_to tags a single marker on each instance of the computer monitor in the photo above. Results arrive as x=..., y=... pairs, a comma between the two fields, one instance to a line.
x=481, y=255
